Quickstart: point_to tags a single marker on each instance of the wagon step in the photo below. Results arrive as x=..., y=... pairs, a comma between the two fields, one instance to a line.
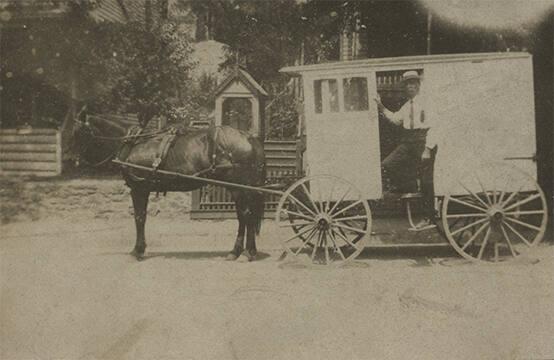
x=408, y=196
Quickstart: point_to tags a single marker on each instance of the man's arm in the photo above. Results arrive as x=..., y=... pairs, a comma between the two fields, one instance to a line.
x=395, y=118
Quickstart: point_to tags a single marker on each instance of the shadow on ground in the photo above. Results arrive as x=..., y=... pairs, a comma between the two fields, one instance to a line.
x=184, y=255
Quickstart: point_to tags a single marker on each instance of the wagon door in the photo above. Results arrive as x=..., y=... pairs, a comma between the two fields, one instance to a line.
x=342, y=130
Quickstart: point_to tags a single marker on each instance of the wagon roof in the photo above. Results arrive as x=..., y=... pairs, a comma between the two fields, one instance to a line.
x=394, y=62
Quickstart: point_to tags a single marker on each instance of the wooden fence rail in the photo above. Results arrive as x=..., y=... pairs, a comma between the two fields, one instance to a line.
x=34, y=152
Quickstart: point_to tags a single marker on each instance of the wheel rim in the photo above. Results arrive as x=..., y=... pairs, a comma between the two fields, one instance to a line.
x=495, y=223
x=329, y=217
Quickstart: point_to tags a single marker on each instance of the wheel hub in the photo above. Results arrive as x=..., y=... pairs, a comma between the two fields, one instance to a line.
x=496, y=215
x=323, y=222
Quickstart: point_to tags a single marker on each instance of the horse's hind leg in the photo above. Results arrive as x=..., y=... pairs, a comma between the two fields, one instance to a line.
x=251, y=250
x=254, y=217
x=140, y=204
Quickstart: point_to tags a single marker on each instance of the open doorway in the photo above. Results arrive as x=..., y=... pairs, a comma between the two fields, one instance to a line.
x=392, y=92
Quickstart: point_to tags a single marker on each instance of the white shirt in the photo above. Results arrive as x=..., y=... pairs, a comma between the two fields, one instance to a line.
x=403, y=117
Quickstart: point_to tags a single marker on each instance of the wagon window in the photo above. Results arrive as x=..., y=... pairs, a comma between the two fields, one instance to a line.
x=355, y=94
x=326, y=96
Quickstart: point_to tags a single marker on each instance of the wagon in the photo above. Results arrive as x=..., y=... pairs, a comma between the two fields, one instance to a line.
x=489, y=205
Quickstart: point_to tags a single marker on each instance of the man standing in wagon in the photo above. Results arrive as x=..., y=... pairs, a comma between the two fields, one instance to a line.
x=417, y=146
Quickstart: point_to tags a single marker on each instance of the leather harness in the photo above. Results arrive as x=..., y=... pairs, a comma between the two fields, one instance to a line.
x=217, y=148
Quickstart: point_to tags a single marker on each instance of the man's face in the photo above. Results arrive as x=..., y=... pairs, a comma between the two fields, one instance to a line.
x=412, y=88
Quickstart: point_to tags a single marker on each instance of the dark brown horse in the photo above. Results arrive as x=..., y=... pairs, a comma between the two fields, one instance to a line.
x=220, y=153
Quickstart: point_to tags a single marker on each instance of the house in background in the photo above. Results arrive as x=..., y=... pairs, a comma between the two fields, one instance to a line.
x=41, y=85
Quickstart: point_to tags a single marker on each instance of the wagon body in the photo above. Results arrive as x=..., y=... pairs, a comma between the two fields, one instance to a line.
x=481, y=107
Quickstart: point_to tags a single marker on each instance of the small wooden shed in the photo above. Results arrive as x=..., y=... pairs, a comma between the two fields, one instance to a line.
x=240, y=102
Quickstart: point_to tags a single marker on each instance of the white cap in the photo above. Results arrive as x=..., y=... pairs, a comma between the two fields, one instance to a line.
x=411, y=75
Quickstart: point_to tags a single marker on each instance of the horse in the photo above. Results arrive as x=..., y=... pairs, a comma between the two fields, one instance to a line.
x=219, y=153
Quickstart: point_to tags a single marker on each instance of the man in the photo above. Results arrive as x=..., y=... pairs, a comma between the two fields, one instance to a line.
x=417, y=147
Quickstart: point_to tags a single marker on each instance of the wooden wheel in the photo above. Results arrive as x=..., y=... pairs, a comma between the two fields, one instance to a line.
x=497, y=214
x=329, y=217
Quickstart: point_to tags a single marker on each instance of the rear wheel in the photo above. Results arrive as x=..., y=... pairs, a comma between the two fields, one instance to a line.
x=496, y=214
x=329, y=217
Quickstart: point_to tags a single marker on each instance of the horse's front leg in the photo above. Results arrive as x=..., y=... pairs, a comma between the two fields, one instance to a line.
x=239, y=241
x=140, y=204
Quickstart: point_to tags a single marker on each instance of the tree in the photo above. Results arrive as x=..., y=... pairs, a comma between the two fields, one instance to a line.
x=149, y=68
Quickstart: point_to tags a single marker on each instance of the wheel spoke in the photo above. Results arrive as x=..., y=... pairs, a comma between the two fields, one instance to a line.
x=319, y=237
x=303, y=216
x=308, y=239
x=508, y=240
x=512, y=195
x=500, y=197
x=309, y=195
x=338, y=202
x=344, y=238
x=347, y=208
x=337, y=248
x=474, y=236
x=358, y=217
x=468, y=226
x=324, y=235
x=484, y=245
x=296, y=224
x=518, y=234
x=524, y=201
x=484, y=192
x=302, y=204
x=466, y=215
x=330, y=196
x=468, y=204
x=349, y=228
x=299, y=234
x=475, y=196
x=526, y=212
x=536, y=228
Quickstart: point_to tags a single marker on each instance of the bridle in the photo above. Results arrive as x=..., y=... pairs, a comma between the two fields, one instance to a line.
x=93, y=134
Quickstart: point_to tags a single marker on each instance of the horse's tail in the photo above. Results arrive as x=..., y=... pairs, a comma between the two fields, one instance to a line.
x=259, y=198
x=259, y=210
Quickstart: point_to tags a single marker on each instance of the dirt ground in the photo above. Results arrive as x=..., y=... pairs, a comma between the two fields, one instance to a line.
x=69, y=290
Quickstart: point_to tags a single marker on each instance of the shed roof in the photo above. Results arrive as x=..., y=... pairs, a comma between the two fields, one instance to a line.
x=244, y=77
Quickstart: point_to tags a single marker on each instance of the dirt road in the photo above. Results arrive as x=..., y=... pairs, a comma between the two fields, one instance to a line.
x=68, y=290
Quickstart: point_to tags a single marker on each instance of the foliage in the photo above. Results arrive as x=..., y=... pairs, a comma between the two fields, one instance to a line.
x=148, y=68
x=283, y=117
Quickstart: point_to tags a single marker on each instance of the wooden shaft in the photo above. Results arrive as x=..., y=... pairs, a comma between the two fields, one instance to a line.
x=207, y=181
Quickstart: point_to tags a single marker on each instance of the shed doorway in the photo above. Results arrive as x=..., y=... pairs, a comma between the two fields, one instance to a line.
x=237, y=113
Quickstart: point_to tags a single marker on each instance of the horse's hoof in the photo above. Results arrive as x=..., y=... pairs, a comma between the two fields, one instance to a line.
x=250, y=256
x=231, y=257
x=137, y=255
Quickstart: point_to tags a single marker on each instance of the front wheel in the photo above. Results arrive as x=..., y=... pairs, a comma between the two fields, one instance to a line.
x=330, y=219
